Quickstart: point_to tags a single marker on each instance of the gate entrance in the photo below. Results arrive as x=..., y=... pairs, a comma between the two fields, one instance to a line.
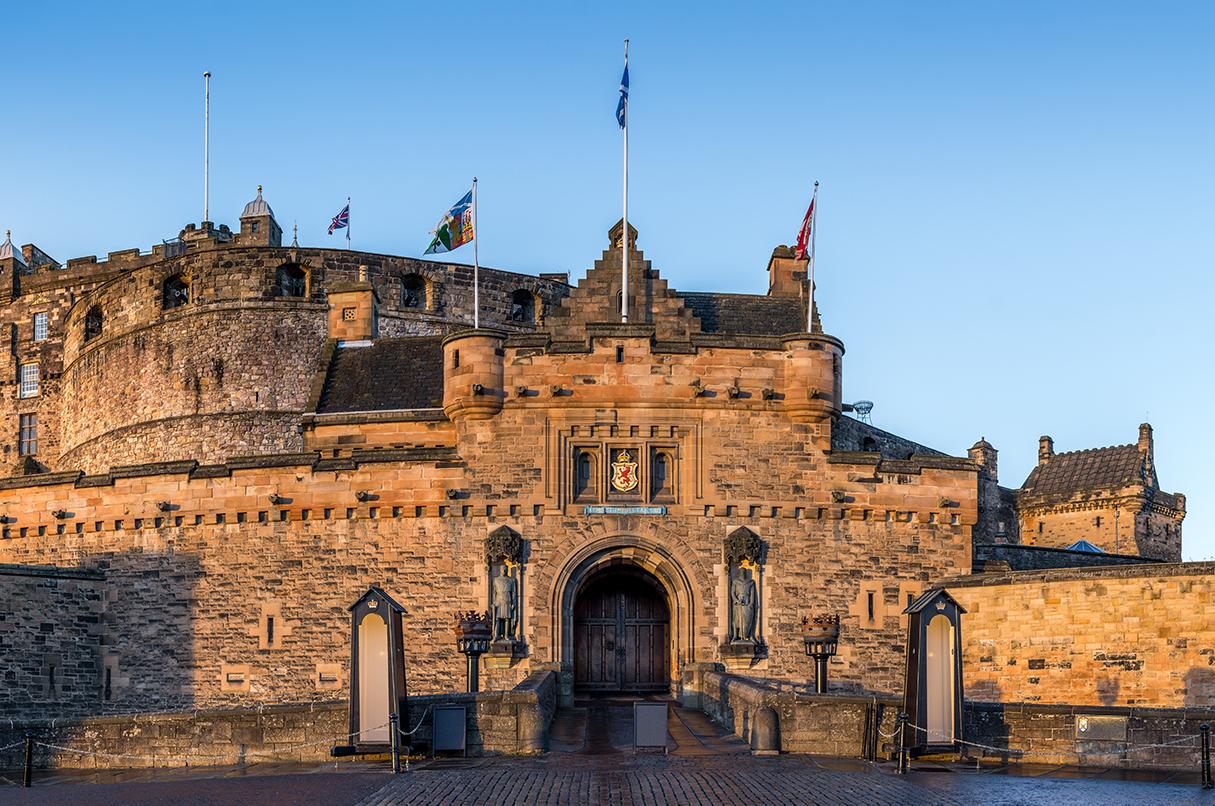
x=622, y=632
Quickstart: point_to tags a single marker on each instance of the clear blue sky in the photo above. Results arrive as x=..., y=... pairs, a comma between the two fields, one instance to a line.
x=1016, y=227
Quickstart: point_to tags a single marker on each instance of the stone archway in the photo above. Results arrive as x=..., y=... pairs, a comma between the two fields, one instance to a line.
x=590, y=563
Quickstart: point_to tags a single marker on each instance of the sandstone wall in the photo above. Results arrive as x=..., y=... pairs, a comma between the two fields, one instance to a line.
x=1135, y=635
x=50, y=640
x=1121, y=526
x=197, y=557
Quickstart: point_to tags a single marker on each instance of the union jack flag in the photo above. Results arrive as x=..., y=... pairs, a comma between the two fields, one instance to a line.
x=341, y=220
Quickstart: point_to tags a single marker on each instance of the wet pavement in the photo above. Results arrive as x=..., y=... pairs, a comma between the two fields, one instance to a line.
x=592, y=761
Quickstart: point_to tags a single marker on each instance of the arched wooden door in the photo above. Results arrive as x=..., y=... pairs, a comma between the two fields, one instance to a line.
x=622, y=633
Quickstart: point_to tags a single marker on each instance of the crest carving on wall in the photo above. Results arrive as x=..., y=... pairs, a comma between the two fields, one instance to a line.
x=503, y=544
x=625, y=476
x=742, y=545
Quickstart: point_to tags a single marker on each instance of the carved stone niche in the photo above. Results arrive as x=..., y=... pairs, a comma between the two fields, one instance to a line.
x=744, y=553
x=505, y=553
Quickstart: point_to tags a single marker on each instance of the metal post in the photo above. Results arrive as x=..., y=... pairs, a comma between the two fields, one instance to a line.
x=396, y=742
x=902, y=745
x=27, y=776
x=820, y=674
x=474, y=683
x=1205, y=730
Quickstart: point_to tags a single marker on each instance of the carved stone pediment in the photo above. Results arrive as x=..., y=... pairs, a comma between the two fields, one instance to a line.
x=503, y=544
x=742, y=545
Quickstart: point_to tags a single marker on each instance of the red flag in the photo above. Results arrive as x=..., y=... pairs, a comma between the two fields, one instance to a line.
x=803, y=234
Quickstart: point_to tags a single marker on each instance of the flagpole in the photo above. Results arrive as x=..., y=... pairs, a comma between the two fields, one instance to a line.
x=476, y=264
x=813, y=233
x=206, y=145
x=347, y=222
x=624, y=234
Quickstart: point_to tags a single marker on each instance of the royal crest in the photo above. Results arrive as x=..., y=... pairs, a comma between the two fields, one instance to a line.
x=624, y=473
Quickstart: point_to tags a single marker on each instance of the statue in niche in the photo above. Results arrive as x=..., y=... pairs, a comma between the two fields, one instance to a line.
x=505, y=604
x=743, y=606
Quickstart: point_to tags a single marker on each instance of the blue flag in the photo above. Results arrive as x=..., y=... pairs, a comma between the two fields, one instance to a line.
x=622, y=108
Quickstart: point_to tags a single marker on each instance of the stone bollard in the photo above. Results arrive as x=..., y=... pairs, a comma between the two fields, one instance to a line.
x=765, y=733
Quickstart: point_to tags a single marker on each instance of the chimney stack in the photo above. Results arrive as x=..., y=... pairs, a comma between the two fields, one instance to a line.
x=1046, y=449
x=984, y=455
x=1146, y=449
x=786, y=274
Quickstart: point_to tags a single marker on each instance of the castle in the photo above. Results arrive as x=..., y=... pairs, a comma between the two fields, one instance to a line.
x=217, y=447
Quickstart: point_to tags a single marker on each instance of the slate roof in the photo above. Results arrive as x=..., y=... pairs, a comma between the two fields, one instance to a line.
x=747, y=314
x=398, y=373
x=1079, y=471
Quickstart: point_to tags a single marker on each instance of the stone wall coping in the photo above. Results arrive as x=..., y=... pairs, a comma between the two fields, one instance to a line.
x=484, y=332
x=191, y=467
x=1206, y=714
x=49, y=571
x=1140, y=570
x=763, y=687
x=912, y=466
x=378, y=416
x=1062, y=551
x=41, y=479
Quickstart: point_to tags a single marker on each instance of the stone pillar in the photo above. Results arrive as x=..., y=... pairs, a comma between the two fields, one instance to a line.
x=353, y=312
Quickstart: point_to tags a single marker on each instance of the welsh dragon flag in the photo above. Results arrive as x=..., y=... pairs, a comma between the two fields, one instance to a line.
x=456, y=228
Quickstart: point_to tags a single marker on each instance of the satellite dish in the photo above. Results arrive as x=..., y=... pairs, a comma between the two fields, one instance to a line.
x=863, y=409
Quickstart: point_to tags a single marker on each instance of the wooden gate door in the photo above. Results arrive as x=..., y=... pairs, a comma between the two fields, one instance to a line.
x=622, y=635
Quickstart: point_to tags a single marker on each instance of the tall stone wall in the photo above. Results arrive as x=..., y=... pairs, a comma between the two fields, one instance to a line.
x=1132, y=635
x=233, y=366
x=196, y=559
x=50, y=640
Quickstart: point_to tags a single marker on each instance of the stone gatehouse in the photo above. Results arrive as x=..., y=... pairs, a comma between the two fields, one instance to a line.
x=219, y=446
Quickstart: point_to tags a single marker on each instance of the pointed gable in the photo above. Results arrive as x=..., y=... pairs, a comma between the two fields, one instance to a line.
x=594, y=301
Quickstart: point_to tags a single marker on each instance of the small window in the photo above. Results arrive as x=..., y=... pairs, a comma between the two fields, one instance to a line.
x=455, y=359
x=619, y=355
x=1041, y=526
x=413, y=292
x=1097, y=521
x=40, y=325
x=869, y=445
x=27, y=441
x=269, y=630
x=107, y=691
x=290, y=281
x=29, y=380
x=660, y=475
x=910, y=599
x=584, y=475
x=175, y=292
x=92, y=324
x=869, y=604
x=253, y=227
x=523, y=307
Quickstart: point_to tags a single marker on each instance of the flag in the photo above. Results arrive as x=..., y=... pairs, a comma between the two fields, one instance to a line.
x=803, y=234
x=456, y=228
x=622, y=108
x=341, y=220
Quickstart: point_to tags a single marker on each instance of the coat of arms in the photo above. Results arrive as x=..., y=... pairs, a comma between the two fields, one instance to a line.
x=624, y=472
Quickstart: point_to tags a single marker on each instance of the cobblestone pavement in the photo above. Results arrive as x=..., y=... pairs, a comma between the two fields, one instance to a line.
x=593, y=762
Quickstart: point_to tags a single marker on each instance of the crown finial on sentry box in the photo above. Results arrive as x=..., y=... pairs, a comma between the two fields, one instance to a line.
x=259, y=189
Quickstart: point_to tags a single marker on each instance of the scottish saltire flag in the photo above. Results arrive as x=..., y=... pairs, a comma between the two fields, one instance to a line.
x=341, y=220
x=456, y=228
x=622, y=108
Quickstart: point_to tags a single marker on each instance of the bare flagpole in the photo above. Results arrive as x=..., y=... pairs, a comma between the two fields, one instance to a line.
x=476, y=264
x=813, y=233
x=624, y=235
x=207, y=145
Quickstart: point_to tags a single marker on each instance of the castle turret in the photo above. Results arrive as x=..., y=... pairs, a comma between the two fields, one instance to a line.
x=473, y=374
x=984, y=454
x=11, y=267
x=813, y=382
x=257, y=224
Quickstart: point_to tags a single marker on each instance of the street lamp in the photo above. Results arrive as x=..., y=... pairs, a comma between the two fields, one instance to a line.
x=472, y=639
x=821, y=636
